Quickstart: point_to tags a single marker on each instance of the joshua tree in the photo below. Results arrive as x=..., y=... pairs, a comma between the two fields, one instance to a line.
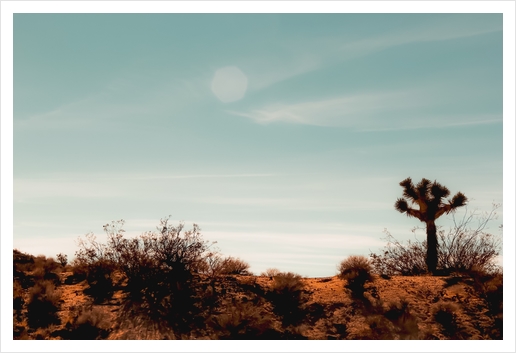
x=429, y=197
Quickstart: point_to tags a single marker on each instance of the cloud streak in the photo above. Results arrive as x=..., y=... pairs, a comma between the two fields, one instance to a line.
x=398, y=110
x=311, y=54
x=339, y=111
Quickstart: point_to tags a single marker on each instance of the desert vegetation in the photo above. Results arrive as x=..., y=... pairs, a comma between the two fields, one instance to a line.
x=171, y=283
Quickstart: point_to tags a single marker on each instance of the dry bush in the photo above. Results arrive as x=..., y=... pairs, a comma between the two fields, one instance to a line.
x=45, y=264
x=288, y=297
x=88, y=324
x=244, y=321
x=18, y=297
x=215, y=266
x=45, y=268
x=161, y=267
x=22, y=262
x=379, y=328
x=234, y=266
x=356, y=270
x=400, y=259
x=404, y=322
x=388, y=321
x=43, y=305
x=446, y=314
x=270, y=272
x=100, y=281
x=489, y=286
x=464, y=247
x=62, y=258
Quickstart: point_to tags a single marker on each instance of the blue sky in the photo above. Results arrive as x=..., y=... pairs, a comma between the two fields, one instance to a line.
x=284, y=136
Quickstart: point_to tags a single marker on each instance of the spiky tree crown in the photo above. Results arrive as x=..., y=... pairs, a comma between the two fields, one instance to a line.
x=429, y=197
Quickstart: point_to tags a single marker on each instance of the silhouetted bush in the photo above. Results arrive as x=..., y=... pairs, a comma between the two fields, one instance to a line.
x=356, y=270
x=445, y=313
x=215, y=266
x=460, y=250
x=287, y=296
x=45, y=264
x=18, y=297
x=89, y=324
x=489, y=286
x=43, y=305
x=62, y=258
x=244, y=321
x=400, y=259
x=270, y=272
x=404, y=322
x=234, y=266
x=100, y=281
x=161, y=267
x=22, y=262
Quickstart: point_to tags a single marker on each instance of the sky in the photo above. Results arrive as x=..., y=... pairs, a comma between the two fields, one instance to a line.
x=283, y=136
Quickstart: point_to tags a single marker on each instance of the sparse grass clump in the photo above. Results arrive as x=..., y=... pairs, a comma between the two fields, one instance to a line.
x=244, y=321
x=446, y=314
x=88, y=324
x=43, y=305
x=356, y=270
x=234, y=266
x=270, y=272
x=18, y=297
x=215, y=266
x=287, y=296
x=404, y=322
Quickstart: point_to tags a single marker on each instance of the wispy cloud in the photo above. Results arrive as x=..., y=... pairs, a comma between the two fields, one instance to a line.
x=310, y=54
x=122, y=99
x=27, y=189
x=440, y=30
x=339, y=111
x=380, y=110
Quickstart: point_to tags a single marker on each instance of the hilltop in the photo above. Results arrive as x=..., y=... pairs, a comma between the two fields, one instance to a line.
x=52, y=301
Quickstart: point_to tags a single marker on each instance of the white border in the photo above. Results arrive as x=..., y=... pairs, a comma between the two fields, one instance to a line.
x=7, y=10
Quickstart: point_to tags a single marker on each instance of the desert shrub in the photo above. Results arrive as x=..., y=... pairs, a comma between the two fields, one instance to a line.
x=270, y=272
x=18, y=297
x=379, y=328
x=493, y=293
x=388, y=321
x=464, y=247
x=404, y=322
x=161, y=267
x=446, y=314
x=46, y=264
x=62, y=258
x=22, y=262
x=244, y=321
x=489, y=286
x=287, y=296
x=43, y=305
x=234, y=266
x=100, y=281
x=45, y=268
x=88, y=324
x=215, y=265
x=356, y=270
x=400, y=259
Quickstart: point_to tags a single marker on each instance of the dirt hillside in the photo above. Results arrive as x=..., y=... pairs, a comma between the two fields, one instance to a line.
x=263, y=307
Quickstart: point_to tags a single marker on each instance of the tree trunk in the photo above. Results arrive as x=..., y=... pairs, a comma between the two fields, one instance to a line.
x=431, y=241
